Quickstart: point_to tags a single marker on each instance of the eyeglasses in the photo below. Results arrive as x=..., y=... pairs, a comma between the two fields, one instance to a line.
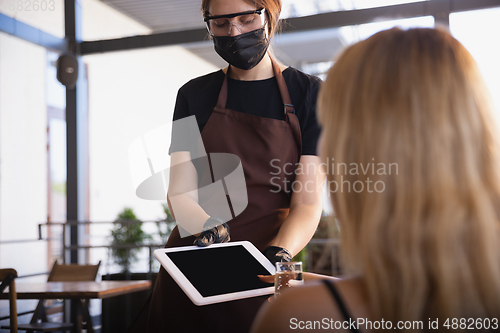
x=220, y=25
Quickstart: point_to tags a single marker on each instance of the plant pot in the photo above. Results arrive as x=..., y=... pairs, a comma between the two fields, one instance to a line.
x=120, y=311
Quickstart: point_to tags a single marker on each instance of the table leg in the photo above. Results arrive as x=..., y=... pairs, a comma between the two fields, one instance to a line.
x=80, y=316
x=76, y=315
x=86, y=317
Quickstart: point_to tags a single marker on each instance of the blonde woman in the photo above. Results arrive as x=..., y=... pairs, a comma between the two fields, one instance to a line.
x=422, y=252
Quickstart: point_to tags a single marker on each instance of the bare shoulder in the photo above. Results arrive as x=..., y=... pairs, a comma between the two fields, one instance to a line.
x=294, y=307
x=308, y=307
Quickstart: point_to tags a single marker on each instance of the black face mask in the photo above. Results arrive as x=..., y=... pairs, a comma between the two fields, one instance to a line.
x=244, y=51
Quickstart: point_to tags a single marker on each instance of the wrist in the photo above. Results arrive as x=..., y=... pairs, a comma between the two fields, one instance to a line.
x=215, y=230
x=276, y=254
x=212, y=222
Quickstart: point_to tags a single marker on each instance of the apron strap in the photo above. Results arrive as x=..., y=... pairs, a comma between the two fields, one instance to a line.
x=285, y=95
x=222, y=100
x=291, y=118
x=289, y=111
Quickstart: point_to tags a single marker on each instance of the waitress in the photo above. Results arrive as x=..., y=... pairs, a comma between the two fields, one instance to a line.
x=264, y=113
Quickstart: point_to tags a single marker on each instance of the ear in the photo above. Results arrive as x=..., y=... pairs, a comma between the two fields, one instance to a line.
x=266, y=29
x=266, y=25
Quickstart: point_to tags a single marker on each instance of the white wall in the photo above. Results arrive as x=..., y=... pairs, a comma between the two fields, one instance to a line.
x=23, y=163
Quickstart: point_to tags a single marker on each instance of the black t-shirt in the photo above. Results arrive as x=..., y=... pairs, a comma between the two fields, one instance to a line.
x=262, y=98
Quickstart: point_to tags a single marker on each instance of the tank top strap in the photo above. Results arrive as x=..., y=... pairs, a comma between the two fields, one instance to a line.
x=340, y=304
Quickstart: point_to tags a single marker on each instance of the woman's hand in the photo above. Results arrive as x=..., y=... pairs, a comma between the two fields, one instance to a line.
x=277, y=254
x=284, y=282
x=308, y=277
x=266, y=278
x=215, y=231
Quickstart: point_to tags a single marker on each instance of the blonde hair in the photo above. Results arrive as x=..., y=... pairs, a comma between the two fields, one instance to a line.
x=427, y=245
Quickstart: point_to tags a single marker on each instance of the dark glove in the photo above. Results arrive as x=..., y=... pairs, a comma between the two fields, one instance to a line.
x=277, y=254
x=215, y=230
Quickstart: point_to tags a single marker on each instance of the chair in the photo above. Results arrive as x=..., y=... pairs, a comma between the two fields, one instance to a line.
x=59, y=273
x=68, y=273
x=7, y=276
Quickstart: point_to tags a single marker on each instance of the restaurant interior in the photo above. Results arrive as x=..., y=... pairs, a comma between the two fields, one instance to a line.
x=79, y=217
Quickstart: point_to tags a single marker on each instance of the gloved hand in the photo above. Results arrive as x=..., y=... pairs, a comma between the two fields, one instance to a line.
x=215, y=230
x=277, y=254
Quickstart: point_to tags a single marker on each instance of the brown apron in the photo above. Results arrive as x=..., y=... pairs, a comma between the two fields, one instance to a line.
x=263, y=145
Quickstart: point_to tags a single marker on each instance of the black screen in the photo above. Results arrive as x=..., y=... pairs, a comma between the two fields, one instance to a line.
x=220, y=270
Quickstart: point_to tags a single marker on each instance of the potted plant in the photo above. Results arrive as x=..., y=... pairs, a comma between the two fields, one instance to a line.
x=118, y=312
x=127, y=233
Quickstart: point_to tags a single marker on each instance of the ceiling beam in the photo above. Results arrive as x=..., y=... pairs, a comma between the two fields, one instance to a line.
x=139, y=42
x=440, y=9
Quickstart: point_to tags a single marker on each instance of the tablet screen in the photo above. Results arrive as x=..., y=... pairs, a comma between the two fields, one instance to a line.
x=220, y=270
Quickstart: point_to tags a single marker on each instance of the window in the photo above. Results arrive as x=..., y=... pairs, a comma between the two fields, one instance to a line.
x=477, y=31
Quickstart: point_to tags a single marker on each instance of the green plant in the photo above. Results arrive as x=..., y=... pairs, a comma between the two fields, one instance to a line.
x=323, y=256
x=312, y=253
x=166, y=225
x=127, y=234
x=302, y=256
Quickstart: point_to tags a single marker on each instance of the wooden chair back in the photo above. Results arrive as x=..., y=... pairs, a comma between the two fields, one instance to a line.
x=73, y=272
x=63, y=273
x=7, y=276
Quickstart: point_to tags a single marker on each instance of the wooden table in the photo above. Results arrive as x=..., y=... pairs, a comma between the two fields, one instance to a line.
x=77, y=290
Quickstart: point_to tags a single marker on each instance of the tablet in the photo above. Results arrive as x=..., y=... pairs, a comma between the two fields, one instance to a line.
x=219, y=272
